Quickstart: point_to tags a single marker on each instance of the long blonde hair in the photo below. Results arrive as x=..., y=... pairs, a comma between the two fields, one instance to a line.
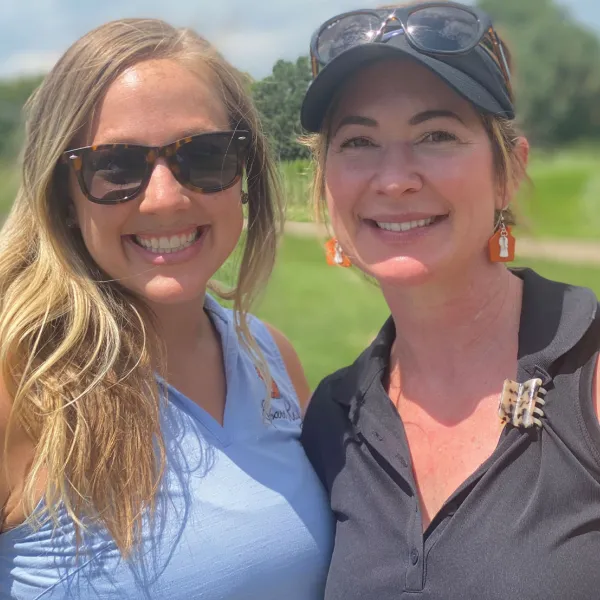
x=77, y=350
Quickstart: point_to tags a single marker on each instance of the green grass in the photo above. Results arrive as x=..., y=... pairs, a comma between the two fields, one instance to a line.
x=296, y=178
x=332, y=314
x=565, y=199
x=329, y=314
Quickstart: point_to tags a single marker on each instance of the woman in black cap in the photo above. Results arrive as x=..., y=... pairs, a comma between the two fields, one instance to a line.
x=461, y=450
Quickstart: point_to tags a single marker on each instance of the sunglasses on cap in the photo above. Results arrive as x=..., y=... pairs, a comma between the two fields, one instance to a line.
x=442, y=28
x=115, y=173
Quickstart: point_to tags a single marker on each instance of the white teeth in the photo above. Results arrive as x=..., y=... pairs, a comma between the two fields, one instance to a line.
x=406, y=226
x=167, y=245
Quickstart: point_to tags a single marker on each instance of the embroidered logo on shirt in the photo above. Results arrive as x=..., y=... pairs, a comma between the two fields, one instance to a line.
x=281, y=410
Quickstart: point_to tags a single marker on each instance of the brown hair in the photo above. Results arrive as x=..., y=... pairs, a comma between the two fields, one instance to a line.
x=78, y=359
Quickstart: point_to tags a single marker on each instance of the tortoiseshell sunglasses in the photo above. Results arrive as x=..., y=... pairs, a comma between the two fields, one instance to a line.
x=430, y=28
x=115, y=173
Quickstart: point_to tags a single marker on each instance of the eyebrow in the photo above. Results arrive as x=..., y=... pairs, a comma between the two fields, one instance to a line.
x=356, y=120
x=427, y=115
x=421, y=117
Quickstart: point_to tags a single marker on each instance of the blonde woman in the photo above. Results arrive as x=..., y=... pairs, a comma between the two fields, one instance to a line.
x=150, y=437
x=461, y=451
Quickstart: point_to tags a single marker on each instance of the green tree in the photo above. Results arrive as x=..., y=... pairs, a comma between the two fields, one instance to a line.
x=278, y=98
x=13, y=95
x=557, y=73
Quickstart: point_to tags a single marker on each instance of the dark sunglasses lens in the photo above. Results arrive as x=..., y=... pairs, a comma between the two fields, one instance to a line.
x=114, y=174
x=443, y=29
x=346, y=33
x=210, y=161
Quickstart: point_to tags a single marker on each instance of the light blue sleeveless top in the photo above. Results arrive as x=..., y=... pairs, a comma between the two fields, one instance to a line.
x=241, y=514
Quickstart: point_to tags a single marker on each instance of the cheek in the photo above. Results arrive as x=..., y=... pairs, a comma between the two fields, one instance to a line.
x=467, y=184
x=101, y=228
x=343, y=186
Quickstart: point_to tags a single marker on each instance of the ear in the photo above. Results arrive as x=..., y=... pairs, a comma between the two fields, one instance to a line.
x=522, y=150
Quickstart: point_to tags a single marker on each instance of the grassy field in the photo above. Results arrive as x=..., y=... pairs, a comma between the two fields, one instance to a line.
x=563, y=202
x=332, y=314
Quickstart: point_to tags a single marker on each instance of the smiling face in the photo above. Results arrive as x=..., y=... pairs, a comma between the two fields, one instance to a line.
x=409, y=178
x=167, y=243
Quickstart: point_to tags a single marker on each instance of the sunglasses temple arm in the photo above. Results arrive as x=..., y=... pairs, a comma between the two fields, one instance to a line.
x=314, y=63
x=503, y=61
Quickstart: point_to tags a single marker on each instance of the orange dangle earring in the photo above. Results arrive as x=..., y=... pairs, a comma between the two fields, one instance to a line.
x=335, y=255
x=502, y=244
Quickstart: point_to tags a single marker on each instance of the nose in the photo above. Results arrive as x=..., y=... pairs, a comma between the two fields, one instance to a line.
x=397, y=172
x=163, y=194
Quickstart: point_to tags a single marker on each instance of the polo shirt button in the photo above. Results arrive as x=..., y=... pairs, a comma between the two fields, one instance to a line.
x=414, y=556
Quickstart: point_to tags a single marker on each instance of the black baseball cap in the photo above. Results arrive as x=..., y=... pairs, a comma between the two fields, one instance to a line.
x=474, y=75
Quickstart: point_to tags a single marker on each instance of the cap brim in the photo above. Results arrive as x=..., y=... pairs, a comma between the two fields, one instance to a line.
x=330, y=79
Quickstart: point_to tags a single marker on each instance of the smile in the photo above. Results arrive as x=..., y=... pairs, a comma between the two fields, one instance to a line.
x=168, y=244
x=406, y=226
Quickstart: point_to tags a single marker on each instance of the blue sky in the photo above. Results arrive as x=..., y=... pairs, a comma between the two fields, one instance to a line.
x=251, y=34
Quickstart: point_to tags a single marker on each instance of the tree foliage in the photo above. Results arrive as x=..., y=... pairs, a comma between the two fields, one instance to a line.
x=557, y=72
x=13, y=95
x=278, y=98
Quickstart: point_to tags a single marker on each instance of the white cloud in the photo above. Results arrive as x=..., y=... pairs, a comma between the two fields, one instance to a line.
x=28, y=63
x=252, y=35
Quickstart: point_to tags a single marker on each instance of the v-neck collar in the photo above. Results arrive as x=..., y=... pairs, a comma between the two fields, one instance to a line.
x=226, y=333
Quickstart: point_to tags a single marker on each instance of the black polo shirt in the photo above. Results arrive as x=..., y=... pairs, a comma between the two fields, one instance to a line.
x=525, y=525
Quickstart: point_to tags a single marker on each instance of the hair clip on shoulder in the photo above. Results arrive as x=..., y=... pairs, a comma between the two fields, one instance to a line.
x=520, y=403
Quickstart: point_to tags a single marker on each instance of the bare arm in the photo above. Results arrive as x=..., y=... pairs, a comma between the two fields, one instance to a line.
x=293, y=366
x=596, y=388
x=4, y=484
x=14, y=466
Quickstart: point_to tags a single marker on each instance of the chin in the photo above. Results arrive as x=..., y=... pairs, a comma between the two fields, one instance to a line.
x=169, y=291
x=401, y=271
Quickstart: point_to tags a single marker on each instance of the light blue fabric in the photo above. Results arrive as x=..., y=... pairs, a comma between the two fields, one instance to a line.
x=241, y=514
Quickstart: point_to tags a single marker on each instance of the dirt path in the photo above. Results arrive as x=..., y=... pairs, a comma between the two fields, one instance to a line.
x=565, y=251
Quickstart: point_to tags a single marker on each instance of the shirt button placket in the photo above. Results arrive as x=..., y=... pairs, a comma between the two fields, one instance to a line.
x=414, y=572
x=414, y=556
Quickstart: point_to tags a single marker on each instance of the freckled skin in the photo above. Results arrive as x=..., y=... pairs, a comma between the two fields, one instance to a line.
x=154, y=103
x=439, y=167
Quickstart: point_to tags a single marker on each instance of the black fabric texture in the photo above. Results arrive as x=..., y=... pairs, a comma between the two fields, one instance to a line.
x=525, y=525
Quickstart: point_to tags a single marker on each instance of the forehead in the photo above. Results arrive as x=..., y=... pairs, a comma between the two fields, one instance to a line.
x=157, y=101
x=400, y=85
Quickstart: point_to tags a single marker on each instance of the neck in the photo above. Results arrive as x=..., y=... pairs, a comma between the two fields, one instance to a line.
x=455, y=320
x=182, y=327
